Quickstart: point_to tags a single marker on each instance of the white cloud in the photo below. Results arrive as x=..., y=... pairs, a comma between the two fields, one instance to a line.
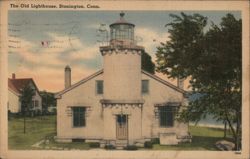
x=76, y=48
x=44, y=65
x=151, y=39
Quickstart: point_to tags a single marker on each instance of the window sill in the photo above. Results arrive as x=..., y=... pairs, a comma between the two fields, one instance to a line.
x=164, y=127
x=79, y=127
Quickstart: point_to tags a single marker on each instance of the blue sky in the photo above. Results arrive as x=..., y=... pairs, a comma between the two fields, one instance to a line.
x=46, y=41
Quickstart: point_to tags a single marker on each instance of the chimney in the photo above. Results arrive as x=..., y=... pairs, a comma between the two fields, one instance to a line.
x=67, y=77
x=180, y=83
x=13, y=76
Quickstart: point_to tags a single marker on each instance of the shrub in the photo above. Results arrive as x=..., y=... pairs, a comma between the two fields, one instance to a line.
x=78, y=140
x=54, y=111
x=155, y=141
x=109, y=147
x=38, y=113
x=94, y=144
x=148, y=144
x=131, y=147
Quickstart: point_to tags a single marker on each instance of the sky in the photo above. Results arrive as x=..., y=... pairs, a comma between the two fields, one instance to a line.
x=42, y=43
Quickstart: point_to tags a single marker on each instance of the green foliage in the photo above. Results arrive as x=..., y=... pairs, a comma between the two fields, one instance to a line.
x=94, y=144
x=155, y=141
x=26, y=98
x=212, y=59
x=48, y=99
x=146, y=63
x=131, y=147
x=148, y=144
x=109, y=147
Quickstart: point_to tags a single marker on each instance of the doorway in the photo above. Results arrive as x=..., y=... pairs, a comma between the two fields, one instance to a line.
x=122, y=126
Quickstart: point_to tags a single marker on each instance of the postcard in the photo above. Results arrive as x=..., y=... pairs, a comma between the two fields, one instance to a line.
x=124, y=79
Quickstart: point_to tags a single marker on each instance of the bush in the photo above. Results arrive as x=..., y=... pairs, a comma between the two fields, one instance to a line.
x=131, y=147
x=94, y=144
x=38, y=112
x=155, y=141
x=109, y=147
x=148, y=144
x=78, y=140
x=54, y=111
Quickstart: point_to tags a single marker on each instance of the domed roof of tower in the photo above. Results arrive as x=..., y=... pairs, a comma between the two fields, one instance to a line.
x=121, y=20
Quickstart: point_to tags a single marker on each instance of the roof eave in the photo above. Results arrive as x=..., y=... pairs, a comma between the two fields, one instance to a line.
x=165, y=82
x=59, y=94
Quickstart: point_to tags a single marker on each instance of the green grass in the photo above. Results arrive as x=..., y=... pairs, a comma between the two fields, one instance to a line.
x=36, y=130
x=204, y=138
x=40, y=128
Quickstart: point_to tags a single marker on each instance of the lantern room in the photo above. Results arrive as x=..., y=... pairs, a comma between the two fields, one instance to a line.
x=122, y=32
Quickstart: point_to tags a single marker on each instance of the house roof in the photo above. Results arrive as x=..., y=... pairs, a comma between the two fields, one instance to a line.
x=164, y=82
x=101, y=71
x=78, y=83
x=16, y=85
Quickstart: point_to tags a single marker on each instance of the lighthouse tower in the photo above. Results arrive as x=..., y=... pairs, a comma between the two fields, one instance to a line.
x=122, y=100
x=122, y=63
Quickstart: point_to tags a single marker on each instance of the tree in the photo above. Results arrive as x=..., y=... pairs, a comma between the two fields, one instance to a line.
x=48, y=99
x=26, y=103
x=146, y=63
x=212, y=59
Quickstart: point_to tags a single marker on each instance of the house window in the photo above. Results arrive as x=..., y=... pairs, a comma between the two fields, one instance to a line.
x=99, y=87
x=36, y=103
x=32, y=104
x=145, y=86
x=166, y=114
x=79, y=116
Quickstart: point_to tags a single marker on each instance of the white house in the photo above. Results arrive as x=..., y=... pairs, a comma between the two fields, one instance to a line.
x=14, y=92
x=121, y=104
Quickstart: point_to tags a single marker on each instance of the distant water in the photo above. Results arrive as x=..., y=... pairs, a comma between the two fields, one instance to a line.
x=209, y=122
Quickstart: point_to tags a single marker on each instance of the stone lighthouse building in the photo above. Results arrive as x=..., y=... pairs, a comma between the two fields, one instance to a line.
x=120, y=104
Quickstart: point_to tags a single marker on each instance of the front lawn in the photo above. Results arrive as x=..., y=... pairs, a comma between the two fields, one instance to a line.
x=37, y=128
x=204, y=138
x=44, y=128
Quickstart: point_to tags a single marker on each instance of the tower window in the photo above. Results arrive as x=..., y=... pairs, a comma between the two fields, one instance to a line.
x=99, y=87
x=79, y=116
x=145, y=86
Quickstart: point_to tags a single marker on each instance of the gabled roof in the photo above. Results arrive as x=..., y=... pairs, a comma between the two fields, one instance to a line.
x=16, y=85
x=79, y=83
x=164, y=82
x=101, y=71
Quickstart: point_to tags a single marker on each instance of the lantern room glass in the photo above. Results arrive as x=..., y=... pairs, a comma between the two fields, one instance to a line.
x=122, y=32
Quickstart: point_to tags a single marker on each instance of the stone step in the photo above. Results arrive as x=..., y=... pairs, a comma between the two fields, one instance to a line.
x=121, y=141
x=120, y=144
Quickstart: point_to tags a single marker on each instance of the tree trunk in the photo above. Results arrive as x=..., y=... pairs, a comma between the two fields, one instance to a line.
x=225, y=129
x=238, y=135
x=24, y=122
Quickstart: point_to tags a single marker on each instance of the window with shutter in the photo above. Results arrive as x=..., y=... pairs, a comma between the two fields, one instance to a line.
x=79, y=116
